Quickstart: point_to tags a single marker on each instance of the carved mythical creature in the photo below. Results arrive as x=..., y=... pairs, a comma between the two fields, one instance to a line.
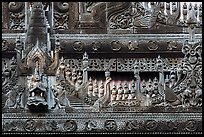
x=141, y=15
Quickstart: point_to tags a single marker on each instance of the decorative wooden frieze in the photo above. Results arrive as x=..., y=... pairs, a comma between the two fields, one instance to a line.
x=102, y=83
x=106, y=123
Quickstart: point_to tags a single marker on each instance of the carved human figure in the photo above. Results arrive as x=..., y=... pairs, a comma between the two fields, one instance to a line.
x=120, y=91
x=126, y=90
x=60, y=96
x=90, y=87
x=68, y=72
x=95, y=88
x=114, y=92
x=133, y=90
x=101, y=89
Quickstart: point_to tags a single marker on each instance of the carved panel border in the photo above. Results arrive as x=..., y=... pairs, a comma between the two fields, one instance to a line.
x=142, y=123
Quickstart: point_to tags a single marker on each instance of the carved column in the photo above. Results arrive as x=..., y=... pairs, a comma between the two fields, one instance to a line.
x=85, y=68
x=161, y=76
x=137, y=77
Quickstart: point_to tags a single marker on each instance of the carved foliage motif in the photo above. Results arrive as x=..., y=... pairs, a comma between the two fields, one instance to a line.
x=91, y=126
x=30, y=125
x=191, y=125
x=70, y=126
x=17, y=15
x=89, y=6
x=51, y=126
x=61, y=15
x=116, y=45
x=78, y=46
x=172, y=45
x=94, y=64
x=192, y=66
x=110, y=125
x=167, y=125
x=151, y=125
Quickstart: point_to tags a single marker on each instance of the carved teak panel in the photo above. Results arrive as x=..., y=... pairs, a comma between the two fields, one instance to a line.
x=102, y=67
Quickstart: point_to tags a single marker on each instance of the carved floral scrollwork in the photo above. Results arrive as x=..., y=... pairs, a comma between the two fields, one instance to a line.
x=61, y=15
x=51, y=126
x=30, y=125
x=133, y=45
x=91, y=125
x=110, y=125
x=11, y=126
x=192, y=51
x=17, y=17
x=61, y=21
x=132, y=125
x=191, y=125
x=96, y=46
x=70, y=126
x=172, y=45
x=78, y=46
x=116, y=45
x=151, y=125
x=123, y=21
x=61, y=6
x=192, y=93
x=15, y=6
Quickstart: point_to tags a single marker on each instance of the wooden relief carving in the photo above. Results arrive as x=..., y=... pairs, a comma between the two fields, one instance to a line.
x=60, y=78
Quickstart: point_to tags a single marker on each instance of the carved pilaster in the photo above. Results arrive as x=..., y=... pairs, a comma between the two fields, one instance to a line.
x=85, y=68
